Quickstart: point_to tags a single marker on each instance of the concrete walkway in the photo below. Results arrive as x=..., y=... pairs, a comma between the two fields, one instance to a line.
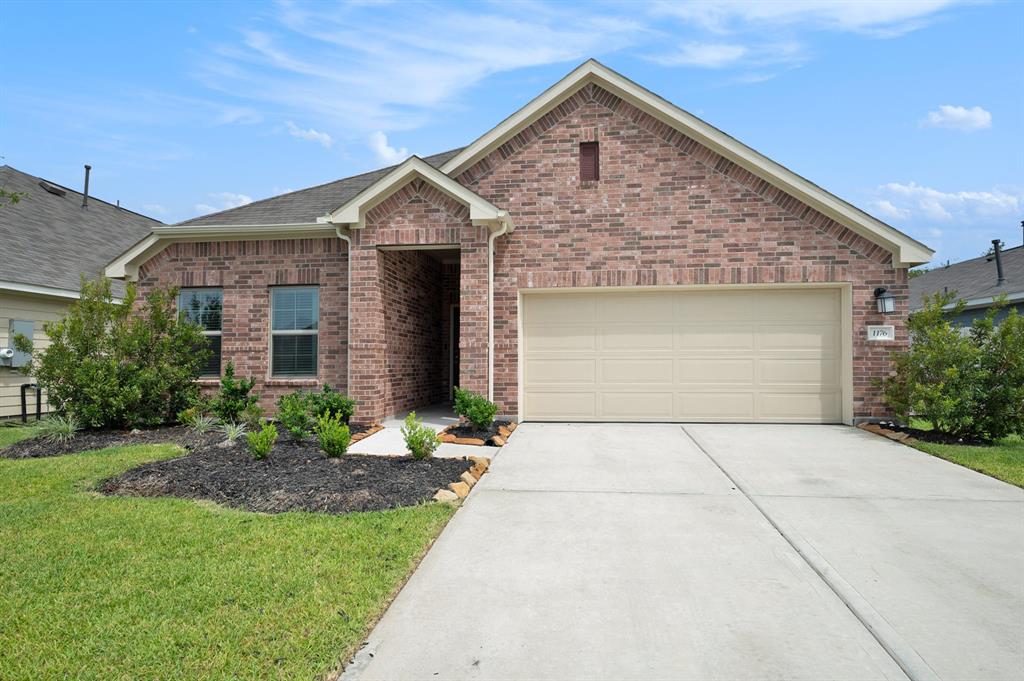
x=389, y=442
x=629, y=552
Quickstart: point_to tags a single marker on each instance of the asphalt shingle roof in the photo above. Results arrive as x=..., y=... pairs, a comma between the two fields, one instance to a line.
x=306, y=205
x=971, y=279
x=50, y=240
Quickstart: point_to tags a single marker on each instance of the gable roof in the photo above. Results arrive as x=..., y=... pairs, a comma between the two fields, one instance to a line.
x=906, y=251
x=49, y=240
x=306, y=205
x=353, y=212
x=973, y=280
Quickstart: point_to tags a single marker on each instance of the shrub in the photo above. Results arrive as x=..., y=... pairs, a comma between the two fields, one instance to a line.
x=119, y=364
x=334, y=436
x=293, y=413
x=234, y=397
x=233, y=431
x=58, y=429
x=203, y=423
x=477, y=409
x=421, y=440
x=252, y=416
x=261, y=442
x=330, y=401
x=969, y=385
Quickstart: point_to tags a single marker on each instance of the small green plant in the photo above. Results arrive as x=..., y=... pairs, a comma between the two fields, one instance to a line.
x=420, y=440
x=330, y=401
x=187, y=417
x=233, y=431
x=203, y=423
x=334, y=436
x=234, y=397
x=260, y=443
x=293, y=413
x=59, y=429
x=477, y=409
x=252, y=416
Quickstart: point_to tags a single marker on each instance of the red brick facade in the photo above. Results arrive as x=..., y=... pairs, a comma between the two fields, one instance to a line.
x=246, y=270
x=666, y=211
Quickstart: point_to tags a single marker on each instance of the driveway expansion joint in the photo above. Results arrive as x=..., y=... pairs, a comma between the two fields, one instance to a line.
x=901, y=652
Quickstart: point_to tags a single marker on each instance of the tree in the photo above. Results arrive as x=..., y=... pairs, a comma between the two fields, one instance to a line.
x=118, y=364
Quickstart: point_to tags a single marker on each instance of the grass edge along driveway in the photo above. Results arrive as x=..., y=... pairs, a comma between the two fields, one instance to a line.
x=96, y=587
x=1003, y=459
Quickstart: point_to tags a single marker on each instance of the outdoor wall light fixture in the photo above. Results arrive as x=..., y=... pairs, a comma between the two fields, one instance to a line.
x=885, y=300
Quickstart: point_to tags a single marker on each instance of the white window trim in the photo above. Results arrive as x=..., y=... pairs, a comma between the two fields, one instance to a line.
x=294, y=332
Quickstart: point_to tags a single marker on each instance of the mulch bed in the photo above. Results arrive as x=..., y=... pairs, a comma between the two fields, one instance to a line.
x=467, y=430
x=932, y=435
x=89, y=440
x=296, y=476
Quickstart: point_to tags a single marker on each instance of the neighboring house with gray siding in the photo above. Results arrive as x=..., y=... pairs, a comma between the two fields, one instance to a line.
x=975, y=281
x=48, y=241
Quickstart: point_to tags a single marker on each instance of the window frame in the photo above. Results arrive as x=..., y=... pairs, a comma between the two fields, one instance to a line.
x=295, y=332
x=218, y=333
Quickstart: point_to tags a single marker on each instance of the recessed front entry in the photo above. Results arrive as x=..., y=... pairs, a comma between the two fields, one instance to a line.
x=767, y=355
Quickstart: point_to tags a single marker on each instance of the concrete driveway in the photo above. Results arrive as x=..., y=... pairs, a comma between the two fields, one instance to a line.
x=714, y=552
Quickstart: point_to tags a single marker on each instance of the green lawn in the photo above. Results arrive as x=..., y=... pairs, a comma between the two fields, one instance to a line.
x=11, y=434
x=1003, y=460
x=95, y=587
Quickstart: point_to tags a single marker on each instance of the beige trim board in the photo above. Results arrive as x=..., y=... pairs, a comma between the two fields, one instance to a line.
x=906, y=251
x=844, y=345
x=353, y=213
x=126, y=265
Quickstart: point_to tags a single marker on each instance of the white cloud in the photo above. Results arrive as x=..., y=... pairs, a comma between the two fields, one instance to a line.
x=958, y=118
x=910, y=201
x=385, y=152
x=311, y=134
x=886, y=209
x=154, y=208
x=222, y=201
x=706, y=55
x=884, y=18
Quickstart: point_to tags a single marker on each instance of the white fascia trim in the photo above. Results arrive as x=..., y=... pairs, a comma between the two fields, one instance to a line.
x=126, y=265
x=906, y=251
x=353, y=213
x=31, y=289
x=986, y=302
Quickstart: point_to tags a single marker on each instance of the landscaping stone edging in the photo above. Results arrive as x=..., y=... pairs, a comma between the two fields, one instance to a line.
x=460, y=489
x=375, y=428
x=499, y=440
x=895, y=436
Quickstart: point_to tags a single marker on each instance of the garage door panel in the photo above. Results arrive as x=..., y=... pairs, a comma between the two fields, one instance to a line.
x=637, y=370
x=799, y=407
x=686, y=355
x=824, y=372
x=715, y=371
x=714, y=406
x=562, y=405
x=566, y=338
x=703, y=336
x=797, y=337
x=636, y=337
x=561, y=370
x=636, y=405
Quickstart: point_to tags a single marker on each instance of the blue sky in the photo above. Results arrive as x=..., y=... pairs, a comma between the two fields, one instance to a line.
x=913, y=111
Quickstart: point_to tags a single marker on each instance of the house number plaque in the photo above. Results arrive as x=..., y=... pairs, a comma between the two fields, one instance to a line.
x=882, y=333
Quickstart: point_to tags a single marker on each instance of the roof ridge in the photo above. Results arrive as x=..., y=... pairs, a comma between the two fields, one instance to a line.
x=314, y=186
x=75, y=191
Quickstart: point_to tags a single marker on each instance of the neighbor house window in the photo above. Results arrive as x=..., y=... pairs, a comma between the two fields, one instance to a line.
x=203, y=306
x=295, y=314
x=590, y=162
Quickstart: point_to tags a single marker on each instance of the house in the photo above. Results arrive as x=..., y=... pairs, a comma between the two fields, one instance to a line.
x=600, y=254
x=978, y=282
x=49, y=239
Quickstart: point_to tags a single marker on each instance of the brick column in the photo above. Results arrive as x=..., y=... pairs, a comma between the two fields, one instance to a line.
x=473, y=310
x=367, y=351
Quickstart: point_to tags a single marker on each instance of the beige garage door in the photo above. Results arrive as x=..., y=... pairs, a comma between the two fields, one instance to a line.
x=722, y=355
